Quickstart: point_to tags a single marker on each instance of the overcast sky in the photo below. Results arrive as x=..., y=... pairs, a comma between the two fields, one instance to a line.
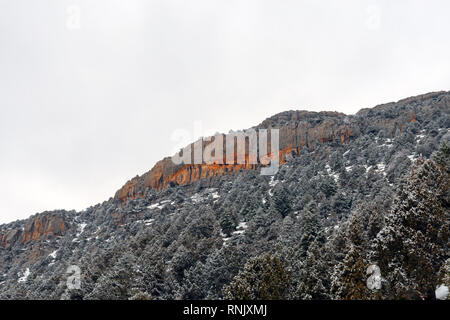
x=92, y=91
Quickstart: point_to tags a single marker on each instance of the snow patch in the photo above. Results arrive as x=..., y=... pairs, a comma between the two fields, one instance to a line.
x=53, y=254
x=441, y=292
x=148, y=222
x=215, y=195
x=81, y=228
x=196, y=198
x=240, y=229
x=24, y=275
x=158, y=205
x=272, y=181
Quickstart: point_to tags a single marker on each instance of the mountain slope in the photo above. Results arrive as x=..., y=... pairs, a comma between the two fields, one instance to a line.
x=186, y=232
x=297, y=130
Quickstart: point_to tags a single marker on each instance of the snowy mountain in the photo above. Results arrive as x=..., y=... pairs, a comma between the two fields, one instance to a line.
x=352, y=191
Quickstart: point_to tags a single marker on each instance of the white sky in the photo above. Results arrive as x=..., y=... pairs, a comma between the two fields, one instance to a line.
x=91, y=91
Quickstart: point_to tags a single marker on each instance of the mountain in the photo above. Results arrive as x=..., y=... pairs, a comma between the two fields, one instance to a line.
x=345, y=197
x=297, y=130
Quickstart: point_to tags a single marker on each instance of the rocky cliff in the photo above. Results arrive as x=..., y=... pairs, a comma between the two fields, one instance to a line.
x=39, y=227
x=298, y=129
x=178, y=214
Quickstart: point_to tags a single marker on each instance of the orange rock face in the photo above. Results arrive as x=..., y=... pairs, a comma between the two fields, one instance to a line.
x=297, y=130
x=292, y=140
x=43, y=226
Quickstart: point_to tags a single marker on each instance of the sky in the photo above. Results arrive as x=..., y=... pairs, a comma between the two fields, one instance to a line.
x=94, y=92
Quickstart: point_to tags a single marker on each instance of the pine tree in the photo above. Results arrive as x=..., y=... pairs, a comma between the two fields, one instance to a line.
x=314, y=282
x=282, y=201
x=312, y=228
x=442, y=156
x=263, y=278
x=349, y=279
x=413, y=245
x=228, y=223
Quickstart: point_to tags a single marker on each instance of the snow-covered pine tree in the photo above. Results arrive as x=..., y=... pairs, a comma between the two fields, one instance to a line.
x=263, y=278
x=349, y=278
x=312, y=228
x=413, y=245
x=314, y=275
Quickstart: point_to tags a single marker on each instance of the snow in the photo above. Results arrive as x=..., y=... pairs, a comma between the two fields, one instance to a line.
x=215, y=195
x=159, y=205
x=24, y=276
x=335, y=177
x=441, y=292
x=242, y=225
x=53, y=254
x=273, y=182
x=420, y=137
x=381, y=168
x=148, y=221
x=332, y=173
x=240, y=229
x=196, y=198
x=81, y=228
x=153, y=206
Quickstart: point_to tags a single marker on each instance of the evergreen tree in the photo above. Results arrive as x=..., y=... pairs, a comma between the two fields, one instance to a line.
x=349, y=278
x=228, y=223
x=312, y=228
x=314, y=282
x=413, y=245
x=442, y=156
x=263, y=278
x=282, y=201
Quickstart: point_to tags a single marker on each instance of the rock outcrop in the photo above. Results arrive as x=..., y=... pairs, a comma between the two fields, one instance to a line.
x=9, y=237
x=44, y=226
x=298, y=129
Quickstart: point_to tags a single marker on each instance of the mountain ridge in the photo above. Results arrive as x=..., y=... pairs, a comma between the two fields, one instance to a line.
x=165, y=172
x=334, y=162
